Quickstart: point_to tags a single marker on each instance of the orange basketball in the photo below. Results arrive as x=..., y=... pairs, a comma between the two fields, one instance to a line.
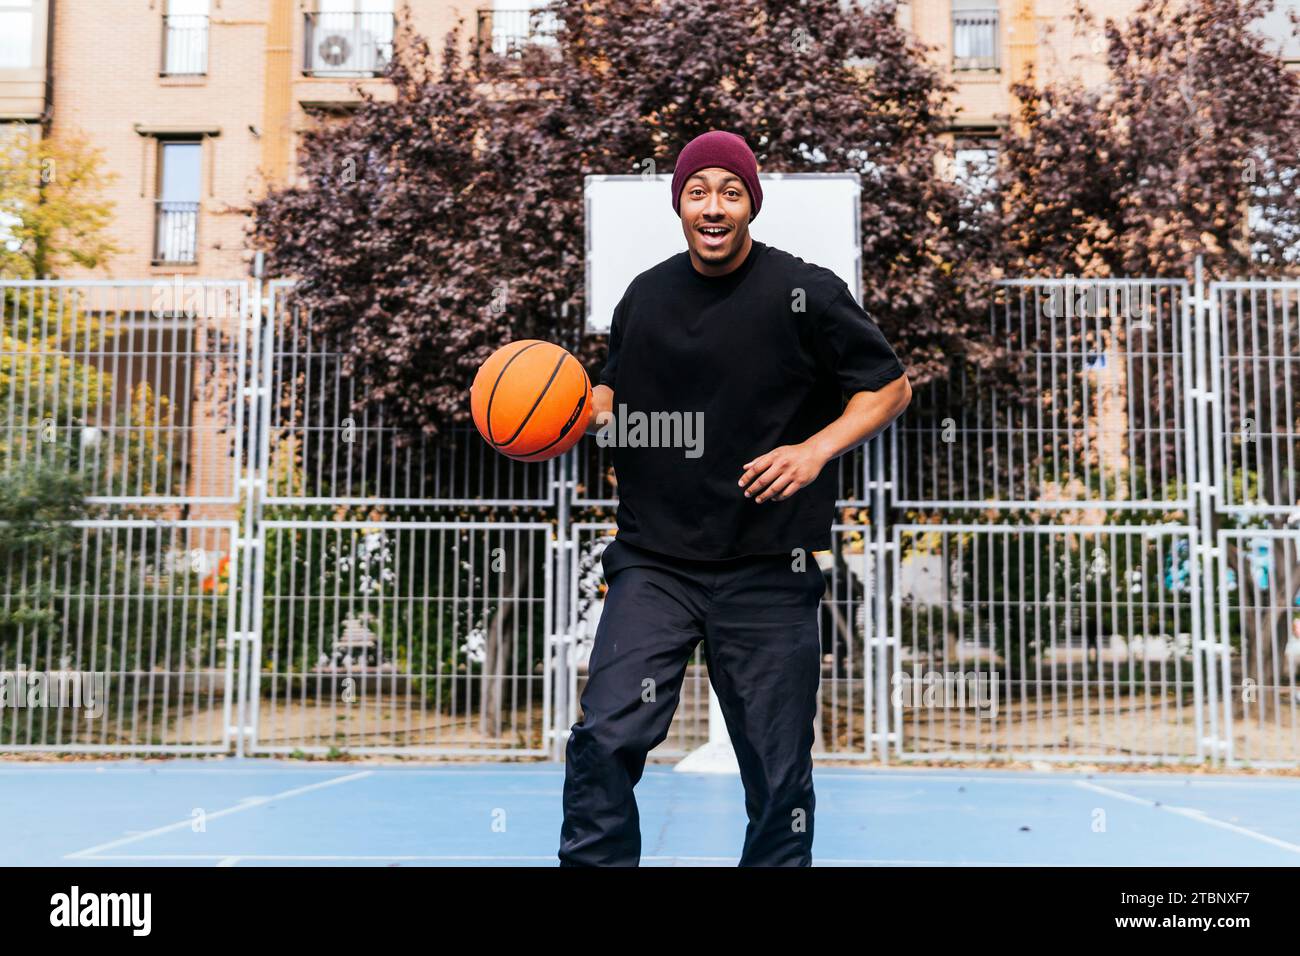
x=531, y=400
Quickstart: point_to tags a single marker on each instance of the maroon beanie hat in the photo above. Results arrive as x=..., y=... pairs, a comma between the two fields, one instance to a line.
x=724, y=150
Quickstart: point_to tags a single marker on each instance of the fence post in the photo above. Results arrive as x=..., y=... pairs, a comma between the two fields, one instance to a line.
x=248, y=666
x=884, y=635
x=559, y=657
x=1201, y=496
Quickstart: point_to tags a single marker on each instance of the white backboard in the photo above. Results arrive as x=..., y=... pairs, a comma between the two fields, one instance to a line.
x=631, y=226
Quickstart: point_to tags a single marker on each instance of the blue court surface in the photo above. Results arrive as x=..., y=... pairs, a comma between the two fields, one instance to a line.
x=246, y=812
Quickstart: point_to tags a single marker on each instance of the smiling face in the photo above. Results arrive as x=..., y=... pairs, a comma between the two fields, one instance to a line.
x=715, y=209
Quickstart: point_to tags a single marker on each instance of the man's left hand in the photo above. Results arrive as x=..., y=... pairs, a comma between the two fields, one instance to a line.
x=781, y=472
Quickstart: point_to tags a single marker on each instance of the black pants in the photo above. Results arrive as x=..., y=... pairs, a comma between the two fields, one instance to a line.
x=758, y=620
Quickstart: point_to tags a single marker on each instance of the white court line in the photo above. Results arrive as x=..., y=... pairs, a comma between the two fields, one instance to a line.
x=247, y=804
x=251, y=771
x=1158, y=780
x=226, y=860
x=1192, y=814
x=1049, y=778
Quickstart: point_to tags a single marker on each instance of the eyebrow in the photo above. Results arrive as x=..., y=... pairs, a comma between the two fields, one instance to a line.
x=726, y=181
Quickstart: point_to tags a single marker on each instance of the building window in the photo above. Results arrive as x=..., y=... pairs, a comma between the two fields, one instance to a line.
x=1272, y=235
x=1275, y=27
x=17, y=27
x=974, y=35
x=177, y=217
x=348, y=38
x=185, y=38
x=507, y=27
x=974, y=170
x=976, y=162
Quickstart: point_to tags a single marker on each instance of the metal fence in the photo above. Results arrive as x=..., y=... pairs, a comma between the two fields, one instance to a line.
x=117, y=638
x=402, y=637
x=1092, y=557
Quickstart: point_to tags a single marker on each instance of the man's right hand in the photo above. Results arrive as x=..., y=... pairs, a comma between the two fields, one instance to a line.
x=602, y=406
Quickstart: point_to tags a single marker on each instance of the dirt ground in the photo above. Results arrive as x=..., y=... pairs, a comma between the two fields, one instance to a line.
x=1153, y=734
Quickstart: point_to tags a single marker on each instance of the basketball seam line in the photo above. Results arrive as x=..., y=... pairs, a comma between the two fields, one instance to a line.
x=492, y=396
x=536, y=402
x=568, y=426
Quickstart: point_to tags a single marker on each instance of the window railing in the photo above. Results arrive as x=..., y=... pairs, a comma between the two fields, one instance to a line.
x=185, y=45
x=506, y=32
x=176, y=232
x=347, y=44
x=975, y=39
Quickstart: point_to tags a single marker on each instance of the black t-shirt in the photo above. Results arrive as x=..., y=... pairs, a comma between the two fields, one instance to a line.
x=761, y=357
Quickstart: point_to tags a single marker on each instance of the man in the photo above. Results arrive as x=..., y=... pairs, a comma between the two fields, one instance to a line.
x=715, y=542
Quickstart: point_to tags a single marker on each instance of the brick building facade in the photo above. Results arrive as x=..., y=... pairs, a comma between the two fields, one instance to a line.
x=197, y=103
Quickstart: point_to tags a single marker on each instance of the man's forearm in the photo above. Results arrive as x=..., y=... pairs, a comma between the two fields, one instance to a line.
x=866, y=415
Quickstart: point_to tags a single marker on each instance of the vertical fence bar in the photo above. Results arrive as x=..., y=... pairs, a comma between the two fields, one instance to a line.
x=1192, y=318
x=252, y=316
x=880, y=589
x=559, y=656
x=269, y=302
x=1201, y=506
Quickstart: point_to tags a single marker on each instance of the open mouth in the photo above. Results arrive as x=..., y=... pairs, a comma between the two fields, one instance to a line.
x=714, y=235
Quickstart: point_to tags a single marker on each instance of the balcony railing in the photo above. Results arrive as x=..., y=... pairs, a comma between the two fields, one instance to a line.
x=176, y=232
x=975, y=39
x=185, y=45
x=347, y=44
x=505, y=33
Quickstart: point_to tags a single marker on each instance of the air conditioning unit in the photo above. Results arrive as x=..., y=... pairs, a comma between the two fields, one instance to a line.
x=335, y=50
x=358, y=52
